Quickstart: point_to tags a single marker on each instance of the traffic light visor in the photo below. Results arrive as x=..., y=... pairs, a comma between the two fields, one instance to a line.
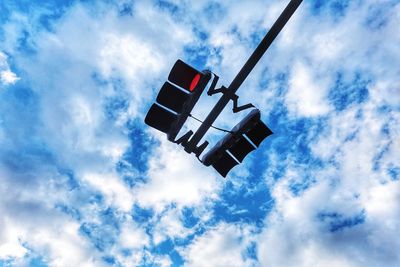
x=219, y=158
x=253, y=127
x=241, y=148
x=172, y=97
x=258, y=133
x=160, y=118
x=245, y=137
x=224, y=164
x=184, y=75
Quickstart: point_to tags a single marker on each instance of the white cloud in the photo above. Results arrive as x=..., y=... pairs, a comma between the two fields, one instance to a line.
x=296, y=237
x=76, y=250
x=176, y=178
x=132, y=236
x=112, y=187
x=30, y=225
x=11, y=246
x=73, y=123
x=223, y=245
x=7, y=77
x=357, y=147
x=382, y=206
x=355, y=181
x=170, y=226
x=307, y=94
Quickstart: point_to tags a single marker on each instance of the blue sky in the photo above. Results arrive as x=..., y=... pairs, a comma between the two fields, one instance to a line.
x=84, y=182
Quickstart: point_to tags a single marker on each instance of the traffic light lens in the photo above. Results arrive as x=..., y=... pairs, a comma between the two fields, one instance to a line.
x=194, y=82
x=184, y=75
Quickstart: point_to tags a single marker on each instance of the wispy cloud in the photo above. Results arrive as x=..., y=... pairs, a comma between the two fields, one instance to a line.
x=7, y=77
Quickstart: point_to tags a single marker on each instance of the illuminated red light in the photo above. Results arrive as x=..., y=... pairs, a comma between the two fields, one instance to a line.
x=194, y=82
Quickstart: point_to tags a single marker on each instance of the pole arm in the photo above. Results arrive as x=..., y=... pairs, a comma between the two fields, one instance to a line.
x=243, y=73
x=264, y=44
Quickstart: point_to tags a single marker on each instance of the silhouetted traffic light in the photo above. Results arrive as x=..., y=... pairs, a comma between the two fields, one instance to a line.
x=246, y=136
x=177, y=98
x=180, y=93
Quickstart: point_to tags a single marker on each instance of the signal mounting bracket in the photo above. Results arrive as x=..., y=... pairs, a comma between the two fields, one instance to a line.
x=212, y=91
x=184, y=140
x=234, y=98
x=237, y=108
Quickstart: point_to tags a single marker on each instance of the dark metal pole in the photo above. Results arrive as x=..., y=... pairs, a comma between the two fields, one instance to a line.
x=243, y=73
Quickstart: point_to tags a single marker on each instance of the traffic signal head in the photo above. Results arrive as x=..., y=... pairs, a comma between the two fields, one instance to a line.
x=246, y=136
x=177, y=98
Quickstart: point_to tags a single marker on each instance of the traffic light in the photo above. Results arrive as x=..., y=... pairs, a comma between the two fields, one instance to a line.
x=181, y=92
x=177, y=98
x=245, y=137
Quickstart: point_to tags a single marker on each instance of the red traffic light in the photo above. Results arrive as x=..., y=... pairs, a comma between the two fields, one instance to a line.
x=177, y=98
x=184, y=76
x=194, y=82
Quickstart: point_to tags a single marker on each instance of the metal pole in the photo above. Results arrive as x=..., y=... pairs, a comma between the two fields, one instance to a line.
x=243, y=73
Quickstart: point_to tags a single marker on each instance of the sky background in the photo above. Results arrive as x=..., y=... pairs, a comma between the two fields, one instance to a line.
x=84, y=182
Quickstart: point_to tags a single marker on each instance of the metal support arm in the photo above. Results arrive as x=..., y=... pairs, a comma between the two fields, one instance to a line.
x=243, y=73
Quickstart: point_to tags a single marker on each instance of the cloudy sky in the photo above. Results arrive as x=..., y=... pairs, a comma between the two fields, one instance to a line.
x=84, y=182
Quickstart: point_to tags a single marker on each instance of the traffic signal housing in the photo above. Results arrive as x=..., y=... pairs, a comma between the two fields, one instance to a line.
x=245, y=137
x=180, y=93
x=177, y=98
